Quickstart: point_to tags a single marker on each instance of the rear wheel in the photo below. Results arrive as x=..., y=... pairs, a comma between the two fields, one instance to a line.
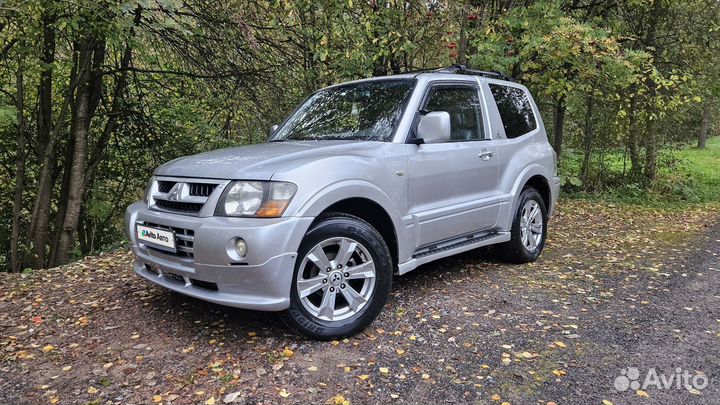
x=529, y=229
x=342, y=278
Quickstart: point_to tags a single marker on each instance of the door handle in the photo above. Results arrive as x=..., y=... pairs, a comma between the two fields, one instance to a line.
x=486, y=154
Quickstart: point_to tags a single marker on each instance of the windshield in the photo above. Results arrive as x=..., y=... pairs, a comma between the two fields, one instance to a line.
x=367, y=111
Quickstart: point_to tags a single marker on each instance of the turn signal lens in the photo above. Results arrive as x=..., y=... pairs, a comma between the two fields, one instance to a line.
x=272, y=208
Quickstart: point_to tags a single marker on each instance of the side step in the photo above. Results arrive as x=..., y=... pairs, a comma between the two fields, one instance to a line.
x=451, y=247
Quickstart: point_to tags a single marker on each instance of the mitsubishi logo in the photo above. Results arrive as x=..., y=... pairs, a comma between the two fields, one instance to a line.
x=176, y=193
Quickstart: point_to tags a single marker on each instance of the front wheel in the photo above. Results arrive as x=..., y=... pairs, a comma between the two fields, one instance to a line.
x=529, y=229
x=341, y=280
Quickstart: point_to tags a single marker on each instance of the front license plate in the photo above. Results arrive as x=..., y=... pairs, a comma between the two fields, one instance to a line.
x=157, y=237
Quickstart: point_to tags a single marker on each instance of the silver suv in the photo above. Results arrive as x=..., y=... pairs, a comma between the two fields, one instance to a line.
x=364, y=180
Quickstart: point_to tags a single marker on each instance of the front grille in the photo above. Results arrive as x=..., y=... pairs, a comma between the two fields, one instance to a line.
x=165, y=186
x=184, y=240
x=177, y=206
x=182, y=196
x=202, y=189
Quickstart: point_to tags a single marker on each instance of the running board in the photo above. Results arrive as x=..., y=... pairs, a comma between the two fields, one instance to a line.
x=452, y=247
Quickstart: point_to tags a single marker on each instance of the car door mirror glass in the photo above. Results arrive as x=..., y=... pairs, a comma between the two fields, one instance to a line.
x=434, y=127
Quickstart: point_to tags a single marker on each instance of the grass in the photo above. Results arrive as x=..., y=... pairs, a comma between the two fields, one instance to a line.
x=686, y=176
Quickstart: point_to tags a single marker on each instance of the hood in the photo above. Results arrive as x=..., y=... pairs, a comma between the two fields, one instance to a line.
x=260, y=161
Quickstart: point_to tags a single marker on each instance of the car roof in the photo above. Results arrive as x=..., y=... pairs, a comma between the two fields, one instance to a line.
x=440, y=73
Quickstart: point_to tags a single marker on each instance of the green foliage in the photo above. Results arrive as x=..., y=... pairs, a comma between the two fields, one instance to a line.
x=631, y=78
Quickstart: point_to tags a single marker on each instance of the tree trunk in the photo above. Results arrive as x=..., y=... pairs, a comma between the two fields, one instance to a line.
x=463, y=41
x=62, y=200
x=81, y=120
x=15, y=261
x=588, y=139
x=558, y=124
x=704, y=126
x=46, y=147
x=632, y=144
x=651, y=149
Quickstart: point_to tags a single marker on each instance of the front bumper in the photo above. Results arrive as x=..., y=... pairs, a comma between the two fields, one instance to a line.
x=260, y=281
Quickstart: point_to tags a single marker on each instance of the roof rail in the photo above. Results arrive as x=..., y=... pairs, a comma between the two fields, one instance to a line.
x=461, y=69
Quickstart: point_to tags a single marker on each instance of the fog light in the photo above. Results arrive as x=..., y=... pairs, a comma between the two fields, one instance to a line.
x=241, y=247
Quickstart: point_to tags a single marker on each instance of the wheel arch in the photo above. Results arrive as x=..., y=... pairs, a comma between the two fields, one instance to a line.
x=370, y=212
x=534, y=176
x=367, y=202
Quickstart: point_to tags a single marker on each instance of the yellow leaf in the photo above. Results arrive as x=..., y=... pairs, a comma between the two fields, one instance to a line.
x=364, y=377
x=339, y=400
x=560, y=344
x=251, y=334
x=157, y=398
x=92, y=390
x=505, y=403
x=384, y=370
x=425, y=376
x=642, y=393
x=495, y=397
x=288, y=353
x=400, y=351
x=210, y=401
x=54, y=399
x=606, y=402
x=66, y=368
x=312, y=368
x=284, y=393
x=48, y=348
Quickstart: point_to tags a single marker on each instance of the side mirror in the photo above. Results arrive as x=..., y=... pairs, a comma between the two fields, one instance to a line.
x=273, y=129
x=434, y=127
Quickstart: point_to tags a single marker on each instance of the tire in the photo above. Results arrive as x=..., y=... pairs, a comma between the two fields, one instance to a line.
x=517, y=249
x=313, y=314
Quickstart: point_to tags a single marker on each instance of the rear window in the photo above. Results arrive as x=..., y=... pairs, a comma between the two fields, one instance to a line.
x=515, y=110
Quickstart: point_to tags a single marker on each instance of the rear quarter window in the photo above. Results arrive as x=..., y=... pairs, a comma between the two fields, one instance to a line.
x=515, y=110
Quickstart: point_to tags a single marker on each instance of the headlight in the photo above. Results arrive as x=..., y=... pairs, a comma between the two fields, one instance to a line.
x=148, y=189
x=264, y=199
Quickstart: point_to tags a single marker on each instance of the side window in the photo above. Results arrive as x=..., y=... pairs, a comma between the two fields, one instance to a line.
x=515, y=110
x=463, y=105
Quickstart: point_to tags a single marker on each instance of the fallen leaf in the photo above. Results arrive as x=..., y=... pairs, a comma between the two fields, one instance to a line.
x=642, y=393
x=48, y=348
x=231, y=397
x=284, y=393
x=338, y=400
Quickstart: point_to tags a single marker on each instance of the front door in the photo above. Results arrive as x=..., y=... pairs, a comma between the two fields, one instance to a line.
x=453, y=185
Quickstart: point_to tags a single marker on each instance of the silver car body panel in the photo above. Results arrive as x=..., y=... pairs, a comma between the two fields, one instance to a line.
x=442, y=199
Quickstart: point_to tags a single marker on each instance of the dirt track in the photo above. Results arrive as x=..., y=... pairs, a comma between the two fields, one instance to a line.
x=617, y=287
